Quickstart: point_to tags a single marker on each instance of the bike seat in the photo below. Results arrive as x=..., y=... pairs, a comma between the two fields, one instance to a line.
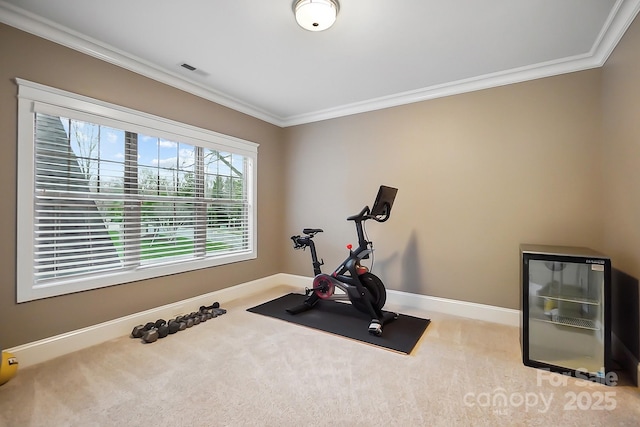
x=312, y=230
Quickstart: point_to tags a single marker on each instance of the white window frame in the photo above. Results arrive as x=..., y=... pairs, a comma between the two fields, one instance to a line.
x=36, y=98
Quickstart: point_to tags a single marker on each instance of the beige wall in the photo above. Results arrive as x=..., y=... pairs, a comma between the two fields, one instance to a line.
x=35, y=59
x=550, y=161
x=477, y=173
x=621, y=159
x=621, y=152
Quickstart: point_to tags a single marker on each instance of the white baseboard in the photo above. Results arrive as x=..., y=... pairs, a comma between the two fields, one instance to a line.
x=487, y=313
x=296, y=281
x=470, y=310
x=59, y=345
x=49, y=348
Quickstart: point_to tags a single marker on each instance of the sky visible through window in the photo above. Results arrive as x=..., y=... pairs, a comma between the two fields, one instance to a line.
x=101, y=154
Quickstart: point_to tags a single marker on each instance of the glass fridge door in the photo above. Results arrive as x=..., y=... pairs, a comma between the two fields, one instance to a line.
x=566, y=315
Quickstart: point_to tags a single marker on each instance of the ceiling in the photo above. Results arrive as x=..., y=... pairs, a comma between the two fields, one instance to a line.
x=251, y=56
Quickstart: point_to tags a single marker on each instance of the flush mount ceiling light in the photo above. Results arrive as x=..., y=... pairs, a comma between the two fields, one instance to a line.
x=316, y=15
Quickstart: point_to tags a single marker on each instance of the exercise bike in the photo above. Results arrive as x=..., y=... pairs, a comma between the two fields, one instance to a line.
x=363, y=289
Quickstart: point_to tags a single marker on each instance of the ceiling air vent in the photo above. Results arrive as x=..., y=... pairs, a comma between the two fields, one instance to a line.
x=188, y=67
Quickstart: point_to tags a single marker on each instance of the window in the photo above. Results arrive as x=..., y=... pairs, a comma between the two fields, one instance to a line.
x=109, y=195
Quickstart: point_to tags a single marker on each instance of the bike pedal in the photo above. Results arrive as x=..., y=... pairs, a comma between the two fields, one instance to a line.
x=375, y=328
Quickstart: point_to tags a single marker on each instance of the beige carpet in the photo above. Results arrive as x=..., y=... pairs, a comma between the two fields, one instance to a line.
x=243, y=369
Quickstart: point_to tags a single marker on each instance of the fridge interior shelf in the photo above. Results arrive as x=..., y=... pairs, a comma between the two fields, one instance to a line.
x=571, y=321
x=567, y=293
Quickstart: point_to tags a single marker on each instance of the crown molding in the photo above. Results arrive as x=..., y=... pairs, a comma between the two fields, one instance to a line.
x=487, y=81
x=622, y=15
x=619, y=20
x=46, y=29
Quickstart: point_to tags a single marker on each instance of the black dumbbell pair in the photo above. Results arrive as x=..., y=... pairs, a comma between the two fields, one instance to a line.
x=176, y=326
x=190, y=320
x=151, y=331
x=214, y=309
x=202, y=315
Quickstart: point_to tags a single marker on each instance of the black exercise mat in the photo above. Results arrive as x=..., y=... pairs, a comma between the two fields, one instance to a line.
x=342, y=319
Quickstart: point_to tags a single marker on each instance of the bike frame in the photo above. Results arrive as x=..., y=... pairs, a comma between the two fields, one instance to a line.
x=348, y=275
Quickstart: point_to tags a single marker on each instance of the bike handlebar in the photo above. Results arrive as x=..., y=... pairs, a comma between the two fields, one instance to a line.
x=364, y=215
x=300, y=242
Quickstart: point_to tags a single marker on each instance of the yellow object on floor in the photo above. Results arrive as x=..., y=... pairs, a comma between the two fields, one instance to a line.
x=8, y=368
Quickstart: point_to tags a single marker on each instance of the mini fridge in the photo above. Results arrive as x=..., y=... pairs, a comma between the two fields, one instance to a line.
x=565, y=323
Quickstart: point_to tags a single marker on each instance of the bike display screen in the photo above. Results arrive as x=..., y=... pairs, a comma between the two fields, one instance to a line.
x=384, y=201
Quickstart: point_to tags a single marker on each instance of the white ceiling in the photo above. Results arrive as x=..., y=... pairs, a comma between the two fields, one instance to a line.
x=252, y=56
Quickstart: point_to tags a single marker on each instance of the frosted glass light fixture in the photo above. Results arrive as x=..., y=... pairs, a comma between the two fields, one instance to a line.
x=316, y=15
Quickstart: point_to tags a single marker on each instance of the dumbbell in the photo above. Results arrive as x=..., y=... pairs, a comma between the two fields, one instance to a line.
x=214, y=309
x=204, y=315
x=211, y=307
x=160, y=329
x=182, y=322
x=195, y=317
x=174, y=326
x=189, y=321
x=140, y=330
x=163, y=329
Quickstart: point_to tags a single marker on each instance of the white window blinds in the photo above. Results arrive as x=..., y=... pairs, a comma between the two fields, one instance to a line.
x=111, y=200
